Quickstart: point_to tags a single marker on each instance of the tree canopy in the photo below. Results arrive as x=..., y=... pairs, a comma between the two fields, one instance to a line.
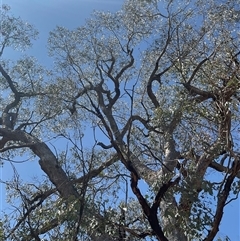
x=136, y=127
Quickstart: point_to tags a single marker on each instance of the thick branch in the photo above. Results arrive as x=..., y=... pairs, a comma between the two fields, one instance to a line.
x=150, y=213
x=141, y=120
x=220, y=168
x=222, y=198
x=48, y=161
x=162, y=192
x=12, y=87
x=196, y=91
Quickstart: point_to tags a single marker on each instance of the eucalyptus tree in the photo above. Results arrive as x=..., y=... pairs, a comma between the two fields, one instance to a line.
x=144, y=104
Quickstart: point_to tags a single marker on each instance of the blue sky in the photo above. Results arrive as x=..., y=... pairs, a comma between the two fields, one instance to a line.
x=45, y=15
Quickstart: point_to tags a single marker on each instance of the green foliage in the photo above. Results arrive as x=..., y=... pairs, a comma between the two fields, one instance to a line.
x=135, y=128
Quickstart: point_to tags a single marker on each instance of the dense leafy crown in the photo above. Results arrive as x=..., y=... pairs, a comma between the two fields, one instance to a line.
x=135, y=128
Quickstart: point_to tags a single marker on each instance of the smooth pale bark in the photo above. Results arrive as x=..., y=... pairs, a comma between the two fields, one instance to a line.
x=48, y=161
